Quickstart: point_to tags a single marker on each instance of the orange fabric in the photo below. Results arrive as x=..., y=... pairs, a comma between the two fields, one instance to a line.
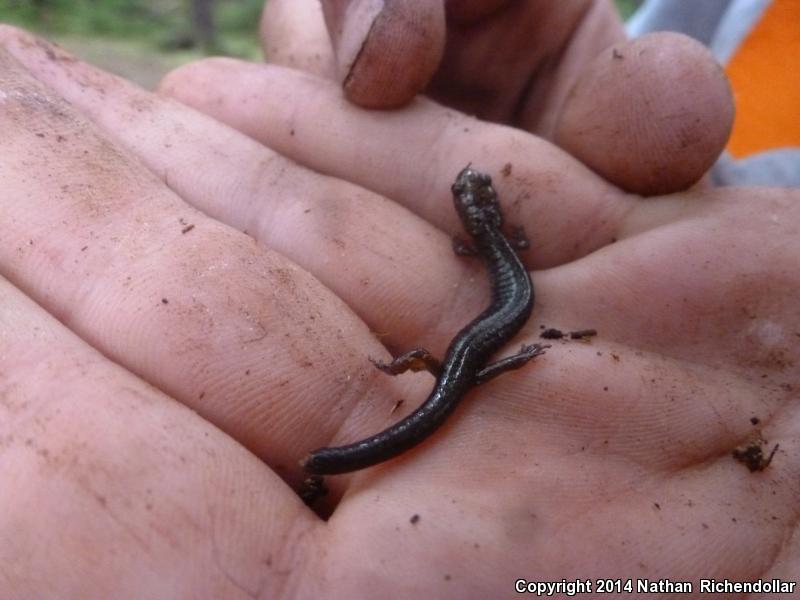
x=765, y=76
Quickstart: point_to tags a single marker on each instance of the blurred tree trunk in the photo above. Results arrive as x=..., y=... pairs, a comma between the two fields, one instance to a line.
x=41, y=8
x=205, y=31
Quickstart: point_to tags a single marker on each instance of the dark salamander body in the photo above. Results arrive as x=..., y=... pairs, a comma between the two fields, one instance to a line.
x=466, y=361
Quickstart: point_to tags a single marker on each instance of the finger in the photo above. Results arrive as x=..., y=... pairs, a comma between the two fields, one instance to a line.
x=293, y=34
x=241, y=334
x=390, y=52
x=650, y=115
x=386, y=52
x=516, y=63
x=566, y=210
x=133, y=489
x=355, y=242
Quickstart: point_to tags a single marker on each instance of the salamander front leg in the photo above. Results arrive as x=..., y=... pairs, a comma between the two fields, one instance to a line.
x=416, y=359
x=518, y=238
x=526, y=353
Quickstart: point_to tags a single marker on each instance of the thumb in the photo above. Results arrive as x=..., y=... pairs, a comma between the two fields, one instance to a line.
x=386, y=50
x=651, y=115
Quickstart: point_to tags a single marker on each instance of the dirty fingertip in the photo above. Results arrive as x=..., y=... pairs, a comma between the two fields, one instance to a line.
x=386, y=52
x=651, y=115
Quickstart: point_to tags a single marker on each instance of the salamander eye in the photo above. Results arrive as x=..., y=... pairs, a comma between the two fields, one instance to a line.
x=486, y=196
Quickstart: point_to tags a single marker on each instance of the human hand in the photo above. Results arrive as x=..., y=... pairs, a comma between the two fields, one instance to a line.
x=650, y=115
x=541, y=474
x=695, y=296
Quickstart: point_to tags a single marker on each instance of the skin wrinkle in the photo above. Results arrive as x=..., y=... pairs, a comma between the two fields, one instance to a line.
x=251, y=592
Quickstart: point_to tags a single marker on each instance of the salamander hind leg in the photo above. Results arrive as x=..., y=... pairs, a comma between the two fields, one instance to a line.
x=463, y=248
x=312, y=489
x=526, y=353
x=416, y=359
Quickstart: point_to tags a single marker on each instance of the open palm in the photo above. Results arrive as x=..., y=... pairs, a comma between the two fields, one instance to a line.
x=609, y=459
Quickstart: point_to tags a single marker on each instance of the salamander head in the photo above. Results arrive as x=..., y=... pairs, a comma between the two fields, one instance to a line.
x=476, y=201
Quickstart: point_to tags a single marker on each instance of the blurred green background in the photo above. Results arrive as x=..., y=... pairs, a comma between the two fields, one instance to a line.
x=143, y=39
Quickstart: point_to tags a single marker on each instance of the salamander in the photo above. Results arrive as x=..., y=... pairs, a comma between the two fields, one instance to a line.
x=466, y=363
